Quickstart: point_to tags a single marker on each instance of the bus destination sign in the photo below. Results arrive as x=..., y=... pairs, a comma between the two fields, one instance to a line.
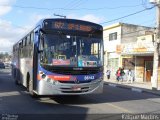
x=71, y=26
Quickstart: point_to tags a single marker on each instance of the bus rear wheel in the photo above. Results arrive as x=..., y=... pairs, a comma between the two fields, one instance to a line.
x=17, y=82
x=30, y=88
x=16, y=77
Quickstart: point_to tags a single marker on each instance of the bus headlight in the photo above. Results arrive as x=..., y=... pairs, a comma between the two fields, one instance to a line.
x=49, y=80
x=54, y=82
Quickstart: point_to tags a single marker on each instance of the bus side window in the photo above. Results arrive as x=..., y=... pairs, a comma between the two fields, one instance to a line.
x=31, y=38
x=41, y=44
x=41, y=48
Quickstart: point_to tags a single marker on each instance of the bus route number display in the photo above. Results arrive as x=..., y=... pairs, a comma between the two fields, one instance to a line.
x=72, y=26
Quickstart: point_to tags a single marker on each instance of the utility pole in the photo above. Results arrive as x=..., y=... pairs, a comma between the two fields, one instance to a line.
x=156, y=46
x=60, y=15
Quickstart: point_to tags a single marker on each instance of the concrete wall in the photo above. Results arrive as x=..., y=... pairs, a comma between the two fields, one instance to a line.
x=110, y=46
x=131, y=32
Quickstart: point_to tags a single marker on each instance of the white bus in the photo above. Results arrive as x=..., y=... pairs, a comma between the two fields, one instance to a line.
x=60, y=57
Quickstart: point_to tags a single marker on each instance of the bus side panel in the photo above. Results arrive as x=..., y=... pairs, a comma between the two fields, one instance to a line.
x=35, y=59
x=26, y=68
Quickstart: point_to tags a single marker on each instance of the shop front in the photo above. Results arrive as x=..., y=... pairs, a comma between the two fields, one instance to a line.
x=138, y=58
x=144, y=68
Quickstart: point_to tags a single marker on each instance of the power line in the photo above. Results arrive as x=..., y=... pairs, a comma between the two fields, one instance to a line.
x=100, y=23
x=74, y=4
x=78, y=3
x=144, y=3
x=70, y=3
x=101, y=8
x=128, y=15
x=64, y=8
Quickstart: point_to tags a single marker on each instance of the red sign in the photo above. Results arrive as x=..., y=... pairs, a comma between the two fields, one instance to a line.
x=61, y=62
x=62, y=78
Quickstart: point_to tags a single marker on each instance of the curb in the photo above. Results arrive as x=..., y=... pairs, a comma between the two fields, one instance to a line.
x=139, y=90
x=136, y=90
x=113, y=85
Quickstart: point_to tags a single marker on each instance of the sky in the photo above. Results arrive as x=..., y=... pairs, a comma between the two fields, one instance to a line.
x=17, y=17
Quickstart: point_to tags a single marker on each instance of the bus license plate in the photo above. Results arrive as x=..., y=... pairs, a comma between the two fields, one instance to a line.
x=76, y=88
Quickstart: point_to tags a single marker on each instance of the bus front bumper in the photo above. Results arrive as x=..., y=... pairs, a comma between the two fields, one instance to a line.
x=46, y=88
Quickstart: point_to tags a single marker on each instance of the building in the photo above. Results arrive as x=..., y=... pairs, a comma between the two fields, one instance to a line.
x=131, y=47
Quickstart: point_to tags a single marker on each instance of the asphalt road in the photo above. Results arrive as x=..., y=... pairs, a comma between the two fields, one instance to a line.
x=16, y=102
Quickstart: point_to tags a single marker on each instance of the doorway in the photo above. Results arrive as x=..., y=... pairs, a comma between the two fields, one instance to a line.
x=148, y=70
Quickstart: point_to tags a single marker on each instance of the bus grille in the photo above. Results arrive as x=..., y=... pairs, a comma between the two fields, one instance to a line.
x=74, y=72
x=69, y=90
x=73, y=82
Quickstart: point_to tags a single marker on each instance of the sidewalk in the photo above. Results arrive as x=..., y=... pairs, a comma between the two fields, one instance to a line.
x=145, y=87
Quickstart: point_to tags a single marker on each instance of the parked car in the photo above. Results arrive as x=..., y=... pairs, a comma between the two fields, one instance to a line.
x=7, y=64
x=2, y=65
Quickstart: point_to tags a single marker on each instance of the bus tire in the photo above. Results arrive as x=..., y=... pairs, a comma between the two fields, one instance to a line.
x=30, y=88
x=16, y=82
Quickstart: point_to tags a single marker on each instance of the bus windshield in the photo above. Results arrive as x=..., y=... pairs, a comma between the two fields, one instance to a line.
x=71, y=51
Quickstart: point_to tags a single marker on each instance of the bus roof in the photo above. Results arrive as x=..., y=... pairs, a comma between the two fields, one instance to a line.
x=41, y=24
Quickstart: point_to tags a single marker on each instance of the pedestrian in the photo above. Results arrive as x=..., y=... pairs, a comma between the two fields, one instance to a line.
x=118, y=74
x=122, y=74
x=130, y=76
x=108, y=73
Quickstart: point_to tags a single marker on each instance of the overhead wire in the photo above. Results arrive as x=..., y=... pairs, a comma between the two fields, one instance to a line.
x=78, y=3
x=69, y=3
x=72, y=6
x=128, y=15
x=79, y=0
x=65, y=8
x=144, y=3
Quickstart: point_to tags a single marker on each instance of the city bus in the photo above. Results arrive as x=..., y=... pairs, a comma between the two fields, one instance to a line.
x=60, y=57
